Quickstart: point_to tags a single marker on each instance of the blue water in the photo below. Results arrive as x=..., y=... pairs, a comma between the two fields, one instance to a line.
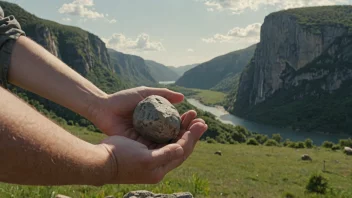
x=293, y=135
x=166, y=82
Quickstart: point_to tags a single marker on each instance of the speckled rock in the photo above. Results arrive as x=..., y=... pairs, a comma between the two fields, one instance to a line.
x=147, y=194
x=156, y=119
x=61, y=196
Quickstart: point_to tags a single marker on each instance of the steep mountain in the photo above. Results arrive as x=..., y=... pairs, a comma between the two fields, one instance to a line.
x=219, y=73
x=161, y=72
x=301, y=73
x=132, y=68
x=87, y=54
x=79, y=49
x=182, y=69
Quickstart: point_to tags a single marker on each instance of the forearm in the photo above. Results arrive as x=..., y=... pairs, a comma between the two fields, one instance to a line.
x=35, y=69
x=35, y=151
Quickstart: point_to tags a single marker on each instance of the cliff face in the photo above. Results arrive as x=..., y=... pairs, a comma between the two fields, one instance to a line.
x=300, y=56
x=161, y=72
x=286, y=47
x=79, y=49
x=218, y=72
x=132, y=68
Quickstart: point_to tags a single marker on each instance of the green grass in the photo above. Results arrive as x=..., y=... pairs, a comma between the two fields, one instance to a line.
x=207, y=97
x=242, y=171
x=314, y=18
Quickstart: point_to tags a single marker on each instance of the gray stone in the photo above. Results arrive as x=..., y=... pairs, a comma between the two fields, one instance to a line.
x=61, y=196
x=183, y=195
x=306, y=157
x=156, y=119
x=147, y=194
x=347, y=150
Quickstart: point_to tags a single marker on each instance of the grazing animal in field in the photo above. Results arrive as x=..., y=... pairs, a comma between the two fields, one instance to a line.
x=218, y=153
x=306, y=157
x=347, y=150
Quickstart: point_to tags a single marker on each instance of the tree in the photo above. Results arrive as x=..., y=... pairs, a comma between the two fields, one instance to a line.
x=277, y=137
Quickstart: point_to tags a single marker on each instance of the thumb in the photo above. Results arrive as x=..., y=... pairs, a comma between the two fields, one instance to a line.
x=166, y=154
x=172, y=96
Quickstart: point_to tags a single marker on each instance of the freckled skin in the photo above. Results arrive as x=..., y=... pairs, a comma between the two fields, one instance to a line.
x=156, y=119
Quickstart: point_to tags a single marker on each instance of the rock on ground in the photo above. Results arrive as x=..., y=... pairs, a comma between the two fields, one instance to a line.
x=61, y=196
x=147, y=194
x=348, y=150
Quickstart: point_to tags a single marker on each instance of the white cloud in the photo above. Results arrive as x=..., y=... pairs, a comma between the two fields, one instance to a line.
x=190, y=50
x=82, y=8
x=112, y=21
x=120, y=42
x=66, y=19
x=250, y=34
x=208, y=40
x=239, y=6
x=252, y=30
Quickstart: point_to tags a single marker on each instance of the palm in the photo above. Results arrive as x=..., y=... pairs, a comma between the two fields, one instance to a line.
x=115, y=116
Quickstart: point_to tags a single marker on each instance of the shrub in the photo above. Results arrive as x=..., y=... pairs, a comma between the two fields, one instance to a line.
x=327, y=144
x=288, y=195
x=317, y=184
x=308, y=143
x=271, y=142
x=231, y=141
x=277, y=137
x=261, y=138
x=91, y=128
x=299, y=145
x=292, y=145
x=286, y=142
x=345, y=142
x=335, y=147
x=210, y=140
x=296, y=145
x=71, y=123
x=252, y=141
x=220, y=139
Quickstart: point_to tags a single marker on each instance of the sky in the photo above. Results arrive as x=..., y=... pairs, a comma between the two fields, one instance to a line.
x=171, y=32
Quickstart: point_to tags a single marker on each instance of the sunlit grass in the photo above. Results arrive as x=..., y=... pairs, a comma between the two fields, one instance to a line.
x=241, y=171
x=207, y=97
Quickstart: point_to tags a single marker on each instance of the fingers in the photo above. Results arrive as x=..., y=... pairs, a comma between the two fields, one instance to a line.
x=187, y=142
x=195, y=121
x=166, y=154
x=188, y=117
x=190, y=138
x=173, y=97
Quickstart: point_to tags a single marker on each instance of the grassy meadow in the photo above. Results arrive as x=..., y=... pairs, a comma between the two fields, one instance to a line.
x=206, y=97
x=242, y=171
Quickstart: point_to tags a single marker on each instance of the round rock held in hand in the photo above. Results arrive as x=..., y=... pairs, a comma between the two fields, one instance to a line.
x=156, y=119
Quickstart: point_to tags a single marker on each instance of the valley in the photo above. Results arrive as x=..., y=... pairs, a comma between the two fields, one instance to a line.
x=286, y=133
x=266, y=105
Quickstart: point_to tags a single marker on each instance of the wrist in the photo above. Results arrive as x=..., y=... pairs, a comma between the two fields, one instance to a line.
x=94, y=105
x=107, y=171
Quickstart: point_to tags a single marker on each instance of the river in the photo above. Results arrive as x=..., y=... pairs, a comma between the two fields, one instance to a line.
x=166, y=82
x=228, y=118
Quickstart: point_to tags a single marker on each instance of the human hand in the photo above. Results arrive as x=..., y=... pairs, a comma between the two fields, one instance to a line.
x=134, y=163
x=114, y=114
